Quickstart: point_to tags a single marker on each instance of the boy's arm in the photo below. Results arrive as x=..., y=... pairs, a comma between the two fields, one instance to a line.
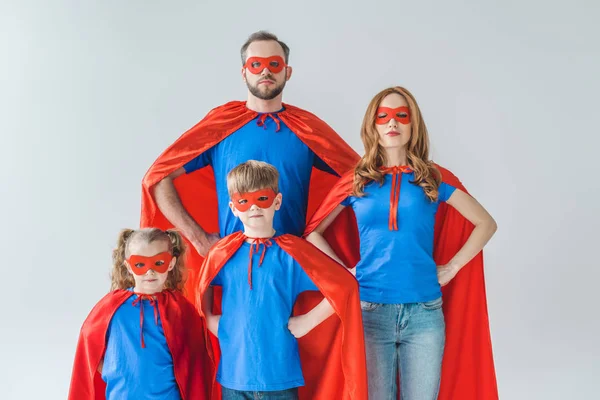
x=302, y=324
x=212, y=321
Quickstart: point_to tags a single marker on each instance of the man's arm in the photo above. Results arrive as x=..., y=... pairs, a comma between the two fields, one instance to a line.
x=170, y=205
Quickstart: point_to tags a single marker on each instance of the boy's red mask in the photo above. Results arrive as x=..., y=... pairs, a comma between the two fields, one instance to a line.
x=385, y=114
x=275, y=64
x=141, y=264
x=262, y=198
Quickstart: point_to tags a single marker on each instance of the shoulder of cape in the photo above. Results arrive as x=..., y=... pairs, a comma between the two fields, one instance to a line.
x=225, y=242
x=449, y=178
x=301, y=112
x=347, y=177
x=298, y=245
x=108, y=304
x=182, y=302
x=230, y=104
x=312, y=260
x=343, y=185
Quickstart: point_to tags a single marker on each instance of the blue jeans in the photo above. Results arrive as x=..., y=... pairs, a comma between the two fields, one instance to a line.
x=230, y=394
x=407, y=339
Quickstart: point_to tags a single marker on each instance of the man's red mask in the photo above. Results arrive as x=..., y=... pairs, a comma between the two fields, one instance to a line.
x=141, y=264
x=385, y=114
x=275, y=64
x=262, y=198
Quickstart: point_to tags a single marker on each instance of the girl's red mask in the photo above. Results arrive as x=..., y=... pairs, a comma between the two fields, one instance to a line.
x=275, y=64
x=141, y=264
x=263, y=198
x=385, y=114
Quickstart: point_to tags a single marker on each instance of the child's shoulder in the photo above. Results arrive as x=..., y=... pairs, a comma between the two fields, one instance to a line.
x=292, y=243
x=106, y=305
x=225, y=242
x=176, y=298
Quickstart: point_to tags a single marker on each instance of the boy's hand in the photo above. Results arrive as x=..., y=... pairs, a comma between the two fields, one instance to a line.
x=300, y=325
x=213, y=324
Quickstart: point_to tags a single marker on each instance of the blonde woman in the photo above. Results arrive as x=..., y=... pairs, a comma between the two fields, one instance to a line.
x=395, y=192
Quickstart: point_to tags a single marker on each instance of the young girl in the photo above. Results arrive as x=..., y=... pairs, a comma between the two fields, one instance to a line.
x=395, y=193
x=143, y=340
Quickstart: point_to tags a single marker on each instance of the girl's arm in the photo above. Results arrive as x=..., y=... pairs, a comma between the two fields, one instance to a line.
x=485, y=227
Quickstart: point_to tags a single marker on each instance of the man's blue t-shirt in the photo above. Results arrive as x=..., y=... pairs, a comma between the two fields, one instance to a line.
x=279, y=147
x=258, y=352
x=397, y=266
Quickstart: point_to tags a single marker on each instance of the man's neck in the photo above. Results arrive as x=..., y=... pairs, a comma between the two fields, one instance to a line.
x=264, y=106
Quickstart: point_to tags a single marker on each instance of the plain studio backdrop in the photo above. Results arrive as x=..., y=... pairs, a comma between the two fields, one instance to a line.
x=92, y=92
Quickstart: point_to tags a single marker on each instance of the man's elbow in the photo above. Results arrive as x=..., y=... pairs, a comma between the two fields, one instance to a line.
x=161, y=185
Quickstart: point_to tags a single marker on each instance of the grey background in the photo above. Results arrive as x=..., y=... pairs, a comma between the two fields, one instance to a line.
x=92, y=92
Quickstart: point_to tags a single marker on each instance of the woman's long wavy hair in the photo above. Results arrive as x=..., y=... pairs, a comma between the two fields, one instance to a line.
x=121, y=278
x=368, y=168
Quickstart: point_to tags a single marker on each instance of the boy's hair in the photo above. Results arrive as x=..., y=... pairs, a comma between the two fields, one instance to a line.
x=121, y=278
x=251, y=176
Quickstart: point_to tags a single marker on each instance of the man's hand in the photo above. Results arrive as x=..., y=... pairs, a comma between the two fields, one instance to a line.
x=446, y=273
x=300, y=325
x=204, y=244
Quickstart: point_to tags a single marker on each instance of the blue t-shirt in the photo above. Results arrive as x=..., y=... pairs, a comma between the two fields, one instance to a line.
x=397, y=267
x=258, y=352
x=282, y=149
x=133, y=372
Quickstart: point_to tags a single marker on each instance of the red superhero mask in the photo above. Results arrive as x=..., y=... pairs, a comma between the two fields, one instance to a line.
x=262, y=198
x=141, y=264
x=385, y=114
x=256, y=64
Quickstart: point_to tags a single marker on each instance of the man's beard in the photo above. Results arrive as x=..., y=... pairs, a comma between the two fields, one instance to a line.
x=269, y=94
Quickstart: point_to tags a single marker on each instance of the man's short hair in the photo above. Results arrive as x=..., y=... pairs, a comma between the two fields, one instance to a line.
x=263, y=36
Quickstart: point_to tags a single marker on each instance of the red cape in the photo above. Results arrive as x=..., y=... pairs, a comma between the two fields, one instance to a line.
x=468, y=365
x=185, y=337
x=197, y=190
x=332, y=354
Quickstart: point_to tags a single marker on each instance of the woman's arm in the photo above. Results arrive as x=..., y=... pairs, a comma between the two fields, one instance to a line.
x=317, y=239
x=485, y=227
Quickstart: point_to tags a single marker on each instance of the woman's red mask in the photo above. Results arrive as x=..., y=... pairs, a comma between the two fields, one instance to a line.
x=159, y=263
x=385, y=114
x=262, y=198
x=275, y=64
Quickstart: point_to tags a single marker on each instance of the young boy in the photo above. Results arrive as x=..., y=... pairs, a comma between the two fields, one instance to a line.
x=262, y=274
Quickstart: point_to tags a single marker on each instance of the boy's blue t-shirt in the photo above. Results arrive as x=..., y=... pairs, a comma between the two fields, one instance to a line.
x=258, y=352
